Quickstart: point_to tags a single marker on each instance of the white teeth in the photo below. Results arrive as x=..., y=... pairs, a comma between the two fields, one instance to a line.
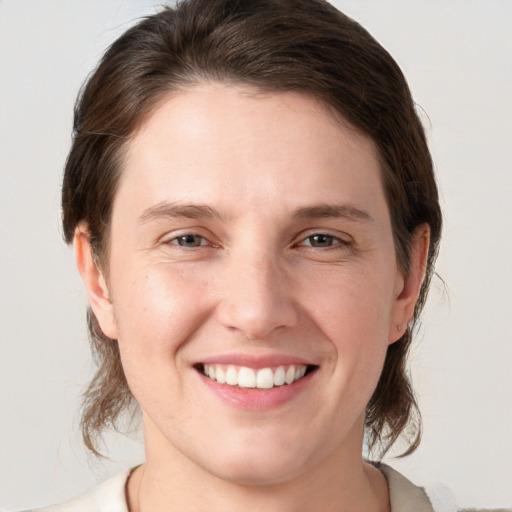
x=246, y=378
x=232, y=376
x=279, y=376
x=290, y=375
x=220, y=375
x=264, y=378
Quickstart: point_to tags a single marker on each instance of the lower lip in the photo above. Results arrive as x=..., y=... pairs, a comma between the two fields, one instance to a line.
x=257, y=399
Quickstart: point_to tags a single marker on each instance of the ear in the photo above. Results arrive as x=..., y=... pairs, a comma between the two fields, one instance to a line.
x=409, y=285
x=94, y=282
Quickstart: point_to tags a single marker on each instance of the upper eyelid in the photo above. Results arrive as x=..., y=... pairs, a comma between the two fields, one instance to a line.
x=343, y=237
x=335, y=237
x=187, y=234
x=172, y=243
x=175, y=237
x=338, y=243
x=177, y=233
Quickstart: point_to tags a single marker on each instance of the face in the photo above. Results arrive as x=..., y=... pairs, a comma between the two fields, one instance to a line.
x=253, y=284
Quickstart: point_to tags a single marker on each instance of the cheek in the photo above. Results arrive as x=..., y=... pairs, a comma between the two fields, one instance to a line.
x=351, y=304
x=157, y=311
x=354, y=313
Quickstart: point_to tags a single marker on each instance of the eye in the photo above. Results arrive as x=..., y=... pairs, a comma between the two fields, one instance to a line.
x=189, y=241
x=322, y=240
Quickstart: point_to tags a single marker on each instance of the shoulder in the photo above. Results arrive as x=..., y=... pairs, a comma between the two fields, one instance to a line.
x=109, y=496
x=403, y=493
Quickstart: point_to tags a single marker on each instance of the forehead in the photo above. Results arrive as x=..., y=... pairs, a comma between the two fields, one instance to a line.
x=232, y=144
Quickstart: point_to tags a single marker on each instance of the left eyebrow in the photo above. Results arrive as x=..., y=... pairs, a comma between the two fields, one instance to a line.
x=322, y=211
x=174, y=210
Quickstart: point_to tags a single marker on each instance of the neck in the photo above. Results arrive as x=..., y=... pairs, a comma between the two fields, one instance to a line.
x=169, y=480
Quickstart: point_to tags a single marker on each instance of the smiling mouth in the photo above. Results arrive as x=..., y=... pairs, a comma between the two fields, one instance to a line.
x=250, y=378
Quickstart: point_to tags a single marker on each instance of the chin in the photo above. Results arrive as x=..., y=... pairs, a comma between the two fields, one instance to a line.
x=259, y=472
x=259, y=459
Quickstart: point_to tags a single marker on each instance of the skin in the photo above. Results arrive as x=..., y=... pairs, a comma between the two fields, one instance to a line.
x=264, y=280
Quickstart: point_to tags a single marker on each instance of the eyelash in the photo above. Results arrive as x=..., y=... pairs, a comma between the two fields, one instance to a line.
x=176, y=239
x=333, y=241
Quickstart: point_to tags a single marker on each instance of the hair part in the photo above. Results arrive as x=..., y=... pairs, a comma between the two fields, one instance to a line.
x=306, y=46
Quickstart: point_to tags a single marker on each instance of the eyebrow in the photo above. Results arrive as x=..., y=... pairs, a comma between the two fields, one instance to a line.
x=176, y=210
x=323, y=211
x=202, y=211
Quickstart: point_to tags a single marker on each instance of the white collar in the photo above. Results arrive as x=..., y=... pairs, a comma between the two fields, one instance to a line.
x=110, y=496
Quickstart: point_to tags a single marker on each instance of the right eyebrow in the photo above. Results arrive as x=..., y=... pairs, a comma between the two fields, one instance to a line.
x=321, y=211
x=174, y=210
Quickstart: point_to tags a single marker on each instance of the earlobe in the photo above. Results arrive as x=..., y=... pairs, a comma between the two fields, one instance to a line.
x=410, y=284
x=94, y=282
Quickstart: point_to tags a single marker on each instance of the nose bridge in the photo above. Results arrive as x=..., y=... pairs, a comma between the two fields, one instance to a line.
x=256, y=297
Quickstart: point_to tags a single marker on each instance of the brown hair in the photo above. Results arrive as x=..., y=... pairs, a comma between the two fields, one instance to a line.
x=273, y=45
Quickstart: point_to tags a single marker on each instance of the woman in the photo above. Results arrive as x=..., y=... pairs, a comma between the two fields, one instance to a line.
x=255, y=219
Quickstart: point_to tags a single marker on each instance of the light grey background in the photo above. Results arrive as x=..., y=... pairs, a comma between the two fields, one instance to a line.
x=457, y=55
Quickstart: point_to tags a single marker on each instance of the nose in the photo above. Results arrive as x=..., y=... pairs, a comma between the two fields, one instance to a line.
x=257, y=296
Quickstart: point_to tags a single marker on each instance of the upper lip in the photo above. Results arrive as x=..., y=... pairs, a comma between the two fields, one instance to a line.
x=255, y=362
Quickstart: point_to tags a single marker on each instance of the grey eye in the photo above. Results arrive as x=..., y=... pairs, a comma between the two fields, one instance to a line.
x=189, y=240
x=321, y=240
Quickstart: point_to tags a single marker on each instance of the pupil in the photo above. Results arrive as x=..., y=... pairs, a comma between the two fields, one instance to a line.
x=321, y=240
x=190, y=240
